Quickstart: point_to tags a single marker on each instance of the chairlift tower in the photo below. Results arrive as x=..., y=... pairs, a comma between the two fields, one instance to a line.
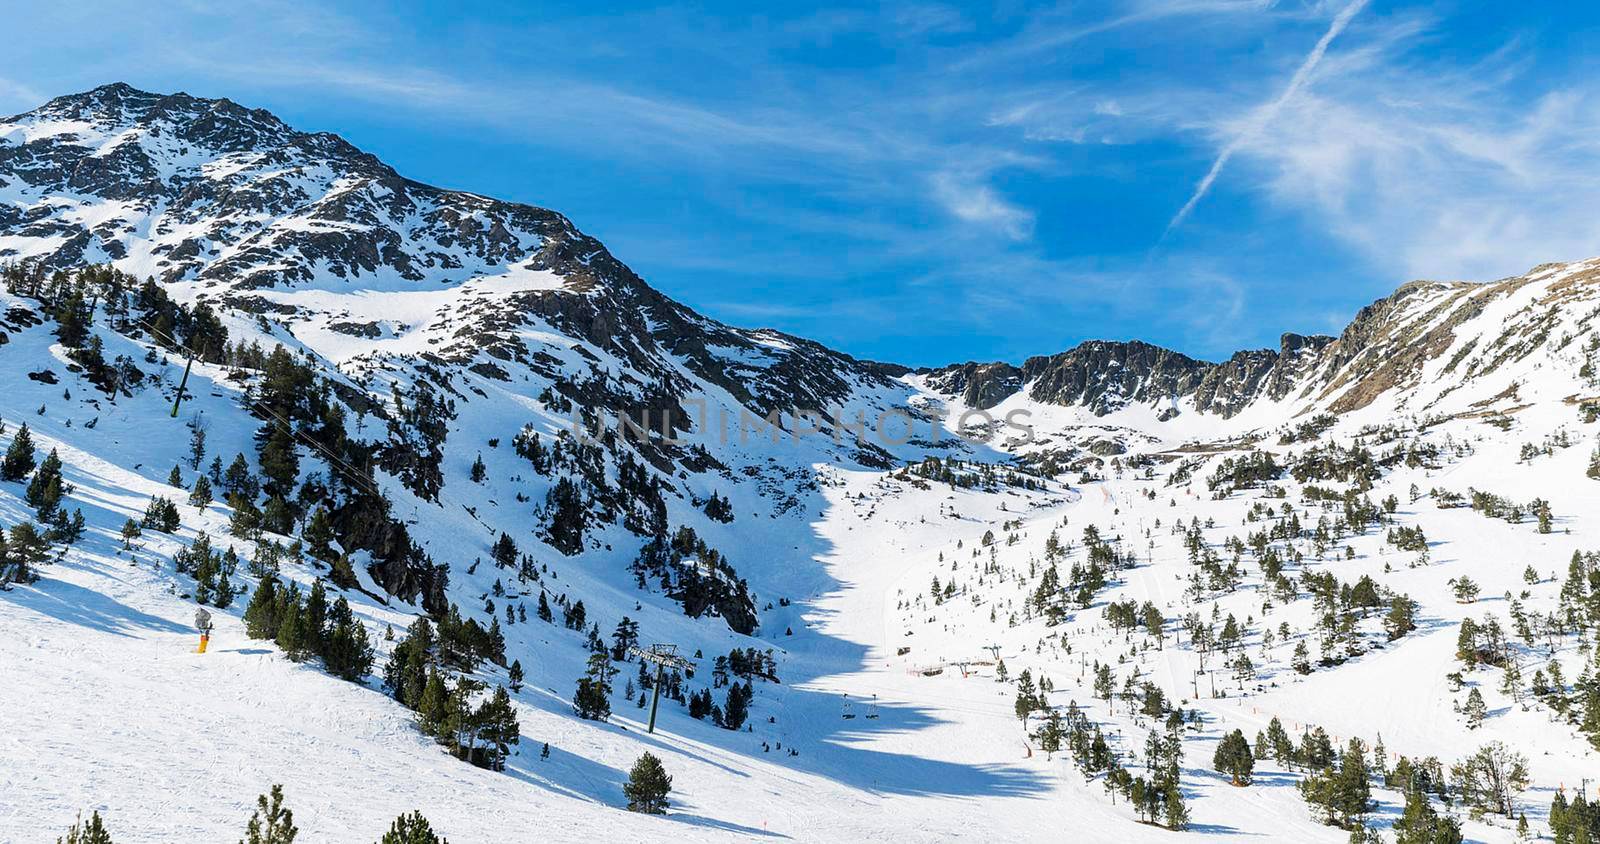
x=663, y=655
x=183, y=384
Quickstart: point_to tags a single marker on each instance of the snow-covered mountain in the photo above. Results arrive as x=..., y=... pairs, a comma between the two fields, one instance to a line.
x=444, y=434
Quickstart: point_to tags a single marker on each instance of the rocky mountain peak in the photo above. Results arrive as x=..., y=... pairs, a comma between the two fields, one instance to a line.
x=219, y=123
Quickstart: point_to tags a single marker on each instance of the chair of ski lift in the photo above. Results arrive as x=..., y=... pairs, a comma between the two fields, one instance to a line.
x=872, y=708
x=849, y=711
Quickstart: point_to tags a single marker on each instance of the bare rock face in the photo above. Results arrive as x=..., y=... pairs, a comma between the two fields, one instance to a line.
x=1230, y=386
x=980, y=385
x=1106, y=376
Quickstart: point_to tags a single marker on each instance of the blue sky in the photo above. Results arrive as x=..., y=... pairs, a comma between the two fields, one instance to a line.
x=925, y=182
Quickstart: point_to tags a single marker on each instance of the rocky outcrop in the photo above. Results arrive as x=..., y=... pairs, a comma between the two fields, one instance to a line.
x=1105, y=376
x=979, y=385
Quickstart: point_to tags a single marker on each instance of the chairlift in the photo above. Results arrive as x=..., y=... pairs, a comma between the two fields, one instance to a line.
x=849, y=710
x=872, y=708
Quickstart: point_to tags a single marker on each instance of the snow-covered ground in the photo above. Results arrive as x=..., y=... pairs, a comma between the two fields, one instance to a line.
x=111, y=709
x=888, y=720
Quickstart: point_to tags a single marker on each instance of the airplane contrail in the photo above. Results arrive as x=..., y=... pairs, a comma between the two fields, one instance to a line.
x=1266, y=113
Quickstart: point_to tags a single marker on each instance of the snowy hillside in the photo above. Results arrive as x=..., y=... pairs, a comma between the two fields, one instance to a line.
x=419, y=413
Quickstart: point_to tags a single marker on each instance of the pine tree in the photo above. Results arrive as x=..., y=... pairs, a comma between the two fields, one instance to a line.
x=1318, y=790
x=1301, y=661
x=544, y=609
x=175, y=477
x=648, y=786
x=433, y=705
x=349, y=652
x=1316, y=751
x=293, y=635
x=68, y=529
x=315, y=618
x=504, y=551
x=19, y=459
x=224, y=593
x=261, y=614
x=1420, y=824
x=1352, y=787
x=1234, y=758
x=1591, y=715
x=719, y=508
x=130, y=532
x=406, y=675
x=201, y=496
x=478, y=470
x=1027, y=697
x=1051, y=732
x=26, y=550
x=1401, y=618
x=161, y=514
x=271, y=823
x=46, y=487
x=737, y=707
x=461, y=728
x=91, y=831
x=514, y=675
x=411, y=829
x=197, y=444
x=498, y=728
x=72, y=321
x=700, y=704
x=1173, y=808
x=238, y=480
x=280, y=462
x=593, y=697
x=1278, y=739
x=568, y=520
x=1475, y=710
x=319, y=535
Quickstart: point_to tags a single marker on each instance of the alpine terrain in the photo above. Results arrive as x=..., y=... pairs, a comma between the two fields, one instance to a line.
x=466, y=501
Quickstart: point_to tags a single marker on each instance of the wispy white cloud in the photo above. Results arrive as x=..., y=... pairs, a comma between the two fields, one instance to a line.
x=1262, y=117
x=970, y=200
x=1049, y=34
x=1438, y=171
x=16, y=96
